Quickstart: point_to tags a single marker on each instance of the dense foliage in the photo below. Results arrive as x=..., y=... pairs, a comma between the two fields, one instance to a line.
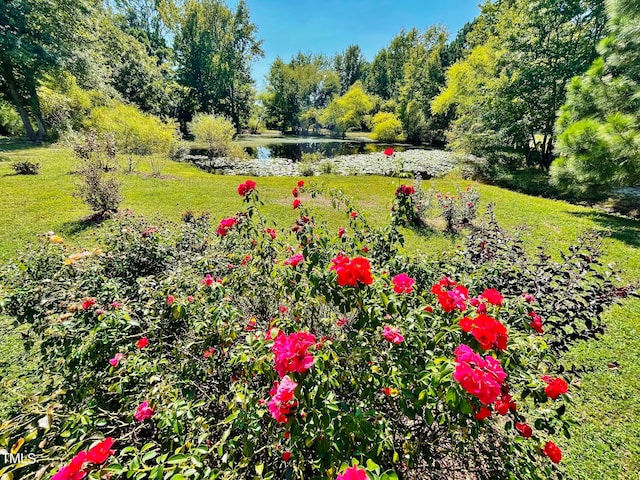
x=509, y=85
x=243, y=350
x=494, y=90
x=134, y=133
x=215, y=47
x=217, y=133
x=599, y=126
x=37, y=36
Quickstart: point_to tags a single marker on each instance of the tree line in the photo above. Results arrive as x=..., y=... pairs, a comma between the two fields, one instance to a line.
x=523, y=83
x=61, y=58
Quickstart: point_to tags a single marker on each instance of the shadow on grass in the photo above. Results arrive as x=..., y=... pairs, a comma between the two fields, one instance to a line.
x=78, y=226
x=533, y=181
x=530, y=181
x=10, y=144
x=623, y=229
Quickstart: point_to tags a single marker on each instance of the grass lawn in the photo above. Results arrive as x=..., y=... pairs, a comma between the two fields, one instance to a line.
x=606, y=443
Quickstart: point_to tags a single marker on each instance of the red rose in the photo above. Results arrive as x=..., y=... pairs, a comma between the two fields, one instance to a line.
x=393, y=335
x=286, y=456
x=292, y=352
x=100, y=452
x=294, y=260
x=225, y=225
x=555, y=388
x=483, y=413
x=492, y=296
x=300, y=183
x=536, y=322
x=403, y=283
x=88, y=303
x=489, y=332
x=296, y=203
x=282, y=399
x=353, y=473
x=480, y=377
x=450, y=295
x=389, y=151
x=142, y=343
x=502, y=405
x=352, y=271
x=73, y=471
x=246, y=187
x=553, y=452
x=524, y=429
x=143, y=412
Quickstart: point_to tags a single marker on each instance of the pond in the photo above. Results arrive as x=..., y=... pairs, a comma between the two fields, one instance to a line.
x=295, y=150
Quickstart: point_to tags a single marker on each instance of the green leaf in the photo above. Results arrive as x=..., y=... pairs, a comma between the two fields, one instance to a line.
x=149, y=456
x=179, y=458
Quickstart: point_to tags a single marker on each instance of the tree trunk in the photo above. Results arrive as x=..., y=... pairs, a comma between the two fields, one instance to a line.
x=18, y=102
x=547, y=154
x=34, y=102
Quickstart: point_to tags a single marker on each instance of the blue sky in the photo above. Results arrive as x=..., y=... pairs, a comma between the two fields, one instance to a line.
x=330, y=26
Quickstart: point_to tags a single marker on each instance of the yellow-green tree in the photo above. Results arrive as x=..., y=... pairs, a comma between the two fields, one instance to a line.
x=506, y=91
x=386, y=127
x=135, y=133
x=348, y=111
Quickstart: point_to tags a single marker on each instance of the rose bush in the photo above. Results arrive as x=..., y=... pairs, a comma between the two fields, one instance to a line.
x=248, y=351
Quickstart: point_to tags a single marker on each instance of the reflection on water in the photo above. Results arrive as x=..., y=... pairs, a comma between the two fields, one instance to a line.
x=294, y=151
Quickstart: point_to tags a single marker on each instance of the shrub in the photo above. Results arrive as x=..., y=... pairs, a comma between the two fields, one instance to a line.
x=98, y=189
x=386, y=127
x=65, y=105
x=410, y=206
x=217, y=132
x=311, y=157
x=307, y=169
x=25, y=168
x=10, y=122
x=179, y=152
x=458, y=211
x=230, y=353
x=98, y=186
x=135, y=133
x=327, y=167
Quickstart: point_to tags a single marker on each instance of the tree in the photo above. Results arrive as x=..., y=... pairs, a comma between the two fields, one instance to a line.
x=387, y=68
x=350, y=66
x=347, y=111
x=134, y=132
x=599, y=125
x=532, y=49
x=36, y=36
x=297, y=91
x=150, y=22
x=386, y=127
x=214, y=49
x=137, y=75
x=281, y=97
x=423, y=78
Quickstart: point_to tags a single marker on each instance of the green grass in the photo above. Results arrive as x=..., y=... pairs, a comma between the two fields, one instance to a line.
x=606, y=442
